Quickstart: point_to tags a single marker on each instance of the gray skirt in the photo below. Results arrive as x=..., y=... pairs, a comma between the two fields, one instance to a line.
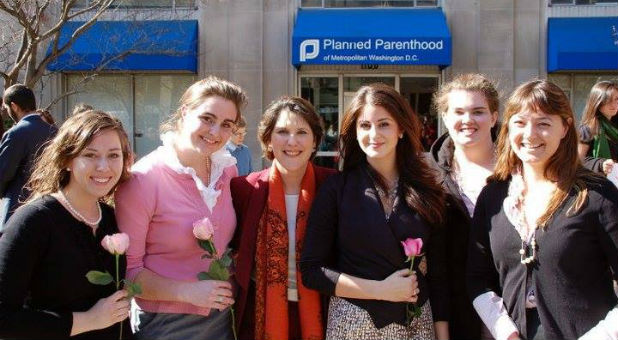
x=170, y=326
x=348, y=321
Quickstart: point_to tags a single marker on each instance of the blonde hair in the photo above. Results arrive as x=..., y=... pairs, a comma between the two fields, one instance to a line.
x=50, y=173
x=563, y=167
x=202, y=89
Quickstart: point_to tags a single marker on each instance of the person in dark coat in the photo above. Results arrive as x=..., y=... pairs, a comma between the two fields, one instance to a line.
x=19, y=147
x=55, y=239
x=464, y=157
x=272, y=207
x=544, y=241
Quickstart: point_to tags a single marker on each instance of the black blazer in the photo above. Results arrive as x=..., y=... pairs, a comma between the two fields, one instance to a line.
x=576, y=259
x=18, y=149
x=347, y=224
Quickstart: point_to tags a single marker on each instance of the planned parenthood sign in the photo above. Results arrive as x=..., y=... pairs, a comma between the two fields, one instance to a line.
x=372, y=51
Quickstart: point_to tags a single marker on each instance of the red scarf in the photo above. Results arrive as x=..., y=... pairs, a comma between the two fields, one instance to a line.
x=271, y=258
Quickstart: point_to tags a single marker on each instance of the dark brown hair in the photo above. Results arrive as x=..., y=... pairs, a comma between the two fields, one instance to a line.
x=49, y=172
x=563, y=167
x=420, y=189
x=295, y=105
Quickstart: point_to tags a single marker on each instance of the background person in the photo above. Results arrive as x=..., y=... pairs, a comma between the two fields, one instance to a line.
x=272, y=206
x=19, y=147
x=183, y=181
x=464, y=157
x=52, y=241
x=385, y=195
x=598, y=137
x=239, y=150
x=544, y=242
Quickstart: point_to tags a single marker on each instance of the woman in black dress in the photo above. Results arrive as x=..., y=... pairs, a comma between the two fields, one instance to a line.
x=52, y=241
x=544, y=238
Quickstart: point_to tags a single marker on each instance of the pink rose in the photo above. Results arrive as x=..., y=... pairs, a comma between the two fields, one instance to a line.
x=412, y=246
x=116, y=244
x=203, y=229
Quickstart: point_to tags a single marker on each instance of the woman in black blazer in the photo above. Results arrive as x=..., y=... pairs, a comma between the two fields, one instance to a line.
x=544, y=239
x=385, y=194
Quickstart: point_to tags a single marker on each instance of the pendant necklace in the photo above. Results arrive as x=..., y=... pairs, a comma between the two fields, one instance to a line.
x=80, y=216
x=525, y=250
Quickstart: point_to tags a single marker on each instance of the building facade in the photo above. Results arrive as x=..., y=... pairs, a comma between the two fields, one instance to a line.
x=324, y=50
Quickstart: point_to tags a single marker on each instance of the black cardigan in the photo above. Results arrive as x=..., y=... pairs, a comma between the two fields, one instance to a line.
x=347, y=224
x=464, y=322
x=45, y=254
x=573, y=281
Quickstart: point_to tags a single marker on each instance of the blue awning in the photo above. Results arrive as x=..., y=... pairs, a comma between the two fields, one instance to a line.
x=130, y=46
x=582, y=44
x=386, y=36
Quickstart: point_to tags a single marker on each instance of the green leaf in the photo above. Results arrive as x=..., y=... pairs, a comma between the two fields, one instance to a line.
x=204, y=276
x=99, y=278
x=218, y=271
x=132, y=288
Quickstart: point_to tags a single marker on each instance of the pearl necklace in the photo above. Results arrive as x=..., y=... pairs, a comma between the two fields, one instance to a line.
x=80, y=216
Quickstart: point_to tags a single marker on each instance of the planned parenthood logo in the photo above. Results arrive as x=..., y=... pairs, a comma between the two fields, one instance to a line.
x=309, y=49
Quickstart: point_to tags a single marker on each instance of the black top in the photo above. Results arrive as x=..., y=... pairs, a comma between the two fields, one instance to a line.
x=464, y=322
x=571, y=274
x=587, y=137
x=347, y=227
x=45, y=254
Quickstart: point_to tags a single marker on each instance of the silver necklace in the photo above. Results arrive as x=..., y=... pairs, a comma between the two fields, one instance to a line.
x=76, y=213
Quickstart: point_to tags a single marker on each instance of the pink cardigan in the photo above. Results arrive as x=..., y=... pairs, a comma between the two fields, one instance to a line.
x=156, y=207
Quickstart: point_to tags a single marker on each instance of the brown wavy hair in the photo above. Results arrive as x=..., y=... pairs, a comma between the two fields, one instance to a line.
x=50, y=173
x=295, y=105
x=600, y=94
x=195, y=95
x=420, y=189
x=563, y=167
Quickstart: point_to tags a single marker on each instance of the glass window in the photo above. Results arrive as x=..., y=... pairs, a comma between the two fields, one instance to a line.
x=156, y=98
x=368, y=3
x=109, y=93
x=141, y=102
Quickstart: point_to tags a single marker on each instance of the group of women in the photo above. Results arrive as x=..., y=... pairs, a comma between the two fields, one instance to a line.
x=519, y=240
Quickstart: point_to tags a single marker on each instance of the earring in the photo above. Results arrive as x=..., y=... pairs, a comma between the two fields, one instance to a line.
x=401, y=136
x=69, y=169
x=269, y=148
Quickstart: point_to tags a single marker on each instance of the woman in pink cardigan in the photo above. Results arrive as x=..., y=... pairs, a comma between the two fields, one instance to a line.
x=185, y=180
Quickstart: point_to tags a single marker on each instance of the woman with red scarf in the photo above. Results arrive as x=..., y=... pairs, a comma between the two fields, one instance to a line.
x=272, y=206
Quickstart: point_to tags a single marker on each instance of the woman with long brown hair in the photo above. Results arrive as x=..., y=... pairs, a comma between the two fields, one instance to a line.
x=598, y=143
x=544, y=241
x=53, y=240
x=385, y=195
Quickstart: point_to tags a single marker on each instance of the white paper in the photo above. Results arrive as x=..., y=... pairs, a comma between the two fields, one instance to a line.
x=613, y=175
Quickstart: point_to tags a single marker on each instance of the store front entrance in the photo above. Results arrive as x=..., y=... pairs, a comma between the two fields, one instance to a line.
x=331, y=95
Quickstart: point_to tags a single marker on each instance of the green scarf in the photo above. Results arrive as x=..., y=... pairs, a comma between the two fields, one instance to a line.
x=607, y=132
